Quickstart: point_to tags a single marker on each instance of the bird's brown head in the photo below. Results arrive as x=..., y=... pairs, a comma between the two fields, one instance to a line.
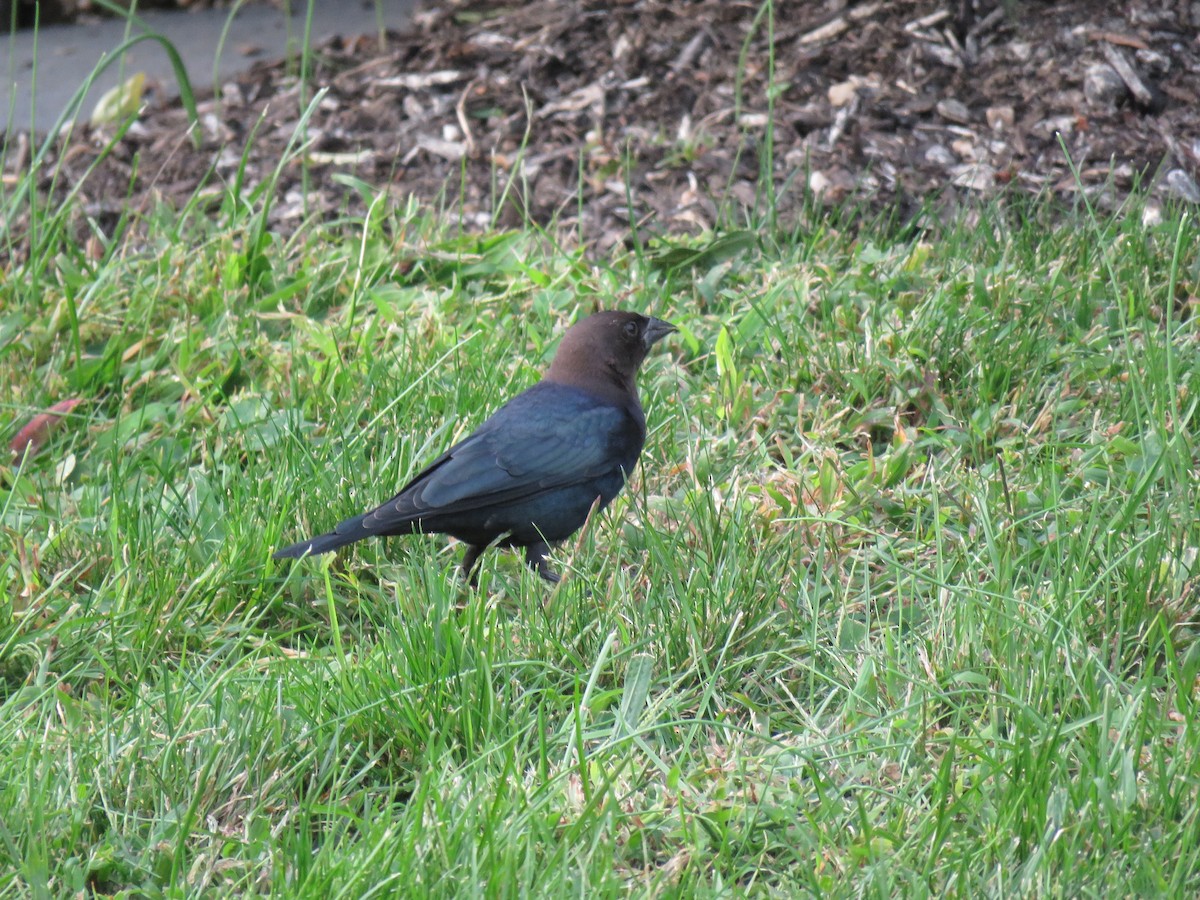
x=603, y=352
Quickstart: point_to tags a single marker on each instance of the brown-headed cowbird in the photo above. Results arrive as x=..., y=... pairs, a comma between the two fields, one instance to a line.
x=530, y=474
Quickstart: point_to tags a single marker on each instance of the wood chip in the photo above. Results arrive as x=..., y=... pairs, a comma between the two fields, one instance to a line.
x=588, y=97
x=1143, y=93
x=448, y=150
x=828, y=31
x=691, y=52
x=988, y=22
x=419, y=81
x=838, y=24
x=975, y=177
x=928, y=21
x=1121, y=40
x=1000, y=118
x=954, y=110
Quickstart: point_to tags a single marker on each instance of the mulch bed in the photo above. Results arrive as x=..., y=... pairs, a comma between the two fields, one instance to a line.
x=593, y=118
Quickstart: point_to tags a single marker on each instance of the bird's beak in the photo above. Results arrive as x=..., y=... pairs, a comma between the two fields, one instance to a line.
x=656, y=330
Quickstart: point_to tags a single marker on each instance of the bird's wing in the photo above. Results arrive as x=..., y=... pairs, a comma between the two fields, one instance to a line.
x=543, y=439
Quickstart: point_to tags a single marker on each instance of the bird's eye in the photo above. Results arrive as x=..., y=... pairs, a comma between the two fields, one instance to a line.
x=631, y=330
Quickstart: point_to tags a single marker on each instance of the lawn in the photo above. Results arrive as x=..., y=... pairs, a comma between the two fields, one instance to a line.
x=902, y=599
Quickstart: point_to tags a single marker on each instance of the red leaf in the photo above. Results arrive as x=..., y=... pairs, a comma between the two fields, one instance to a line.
x=29, y=440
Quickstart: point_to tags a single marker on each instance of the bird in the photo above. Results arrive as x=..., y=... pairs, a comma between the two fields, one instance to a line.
x=532, y=473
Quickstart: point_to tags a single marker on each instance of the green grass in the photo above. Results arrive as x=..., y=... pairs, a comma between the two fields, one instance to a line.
x=901, y=601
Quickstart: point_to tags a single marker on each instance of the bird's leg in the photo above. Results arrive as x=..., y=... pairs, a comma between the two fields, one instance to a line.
x=535, y=556
x=469, y=562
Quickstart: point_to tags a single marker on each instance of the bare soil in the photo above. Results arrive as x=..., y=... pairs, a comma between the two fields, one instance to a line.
x=591, y=118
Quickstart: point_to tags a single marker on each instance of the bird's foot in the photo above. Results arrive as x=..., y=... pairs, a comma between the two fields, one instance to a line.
x=535, y=556
x=470, y=565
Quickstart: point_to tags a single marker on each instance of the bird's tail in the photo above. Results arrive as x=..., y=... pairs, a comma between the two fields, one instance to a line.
x=343, y=533
x=322, y=543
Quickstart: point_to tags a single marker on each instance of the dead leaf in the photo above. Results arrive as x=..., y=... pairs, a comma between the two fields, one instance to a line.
x=33, y=436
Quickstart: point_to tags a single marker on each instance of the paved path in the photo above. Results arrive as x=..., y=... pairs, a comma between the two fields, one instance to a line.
x=42, y=73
